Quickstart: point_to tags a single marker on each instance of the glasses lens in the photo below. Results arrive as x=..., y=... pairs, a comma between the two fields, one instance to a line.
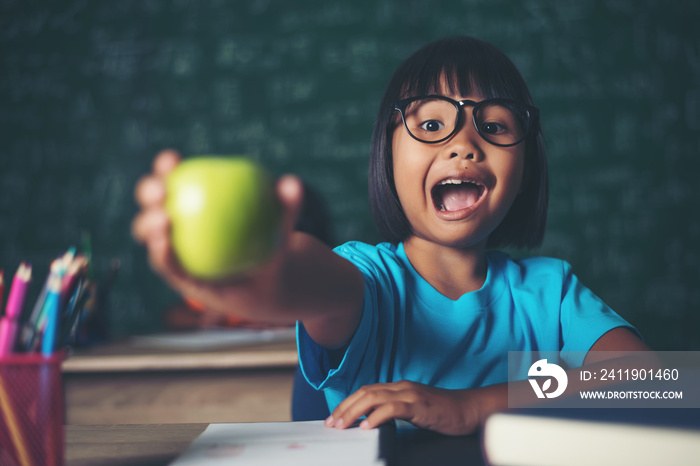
x=502, y=122
x=430, y=119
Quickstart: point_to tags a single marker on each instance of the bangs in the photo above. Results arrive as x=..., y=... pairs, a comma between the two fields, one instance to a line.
x=461, y=67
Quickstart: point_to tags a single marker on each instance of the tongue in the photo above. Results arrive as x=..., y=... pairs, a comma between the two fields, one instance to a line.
x=458, y=197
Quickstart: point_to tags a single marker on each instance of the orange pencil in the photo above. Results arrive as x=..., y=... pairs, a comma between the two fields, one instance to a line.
x=13, y=426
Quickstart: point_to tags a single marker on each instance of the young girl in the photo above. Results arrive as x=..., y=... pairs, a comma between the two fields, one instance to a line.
x=419, y=328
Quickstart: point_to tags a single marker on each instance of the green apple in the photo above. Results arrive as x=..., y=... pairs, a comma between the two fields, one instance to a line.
x=224, y=214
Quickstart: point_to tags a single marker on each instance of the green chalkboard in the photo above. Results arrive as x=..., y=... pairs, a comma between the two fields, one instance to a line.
x=91, y=90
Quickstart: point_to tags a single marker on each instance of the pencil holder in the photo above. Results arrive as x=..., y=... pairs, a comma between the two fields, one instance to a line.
x=31, y=410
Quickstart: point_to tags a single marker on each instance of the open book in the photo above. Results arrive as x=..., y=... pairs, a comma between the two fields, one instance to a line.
x=306, y=443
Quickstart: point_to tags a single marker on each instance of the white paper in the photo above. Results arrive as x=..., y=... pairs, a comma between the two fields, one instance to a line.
x=306, y=443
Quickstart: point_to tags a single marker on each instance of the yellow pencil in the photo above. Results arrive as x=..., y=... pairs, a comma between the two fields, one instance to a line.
x=13, y=426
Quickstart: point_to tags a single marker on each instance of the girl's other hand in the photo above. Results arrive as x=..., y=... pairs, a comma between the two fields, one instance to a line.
x=450, y=412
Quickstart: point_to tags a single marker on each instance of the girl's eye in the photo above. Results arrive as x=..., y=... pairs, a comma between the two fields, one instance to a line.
x=432, y=126
x=493, y=128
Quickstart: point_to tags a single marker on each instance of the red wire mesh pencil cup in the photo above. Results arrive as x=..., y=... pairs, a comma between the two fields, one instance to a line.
x=31, y=410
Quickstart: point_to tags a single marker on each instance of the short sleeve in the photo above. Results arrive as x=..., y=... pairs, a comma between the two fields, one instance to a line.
x=584, y=318
x=315, y=360
x=359, y=361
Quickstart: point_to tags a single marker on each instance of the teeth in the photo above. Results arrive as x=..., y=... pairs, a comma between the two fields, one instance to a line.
x=453, y=181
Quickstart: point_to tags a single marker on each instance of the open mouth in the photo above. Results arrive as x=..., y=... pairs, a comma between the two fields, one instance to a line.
x=452, y=195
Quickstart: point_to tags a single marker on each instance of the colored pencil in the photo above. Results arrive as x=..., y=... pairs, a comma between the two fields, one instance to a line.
x=2, y=287
x=28, y=335
x=76, y=269
x=36, y=324
x=75, y=308
x=53, y=314
x=15, y=301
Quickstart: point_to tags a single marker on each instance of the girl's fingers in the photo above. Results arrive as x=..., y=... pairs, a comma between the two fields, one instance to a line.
x=387, y=412
x=150, y=225
x=369, y=390
x=150, y=191
x=159, y=252
x=339, y=413
x=290, y=192
x=165, y=161
x=363, y=401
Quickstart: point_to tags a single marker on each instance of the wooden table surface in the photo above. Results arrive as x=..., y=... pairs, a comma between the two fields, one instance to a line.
x=124, y=383
x=129, y=357
x=128, y=445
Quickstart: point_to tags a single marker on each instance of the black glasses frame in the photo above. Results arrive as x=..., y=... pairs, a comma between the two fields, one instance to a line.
x=532, y=114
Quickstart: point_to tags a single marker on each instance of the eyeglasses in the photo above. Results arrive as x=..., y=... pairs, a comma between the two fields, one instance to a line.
x=435, y=118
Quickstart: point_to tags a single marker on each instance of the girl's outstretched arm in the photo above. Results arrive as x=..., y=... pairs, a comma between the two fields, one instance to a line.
x=304, y=280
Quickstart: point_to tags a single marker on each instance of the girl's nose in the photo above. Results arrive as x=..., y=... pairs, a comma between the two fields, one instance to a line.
x=466, y=142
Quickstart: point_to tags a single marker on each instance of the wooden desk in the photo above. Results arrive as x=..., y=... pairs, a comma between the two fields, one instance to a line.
x=116, y=445
x=126, y=384
x=160, y=444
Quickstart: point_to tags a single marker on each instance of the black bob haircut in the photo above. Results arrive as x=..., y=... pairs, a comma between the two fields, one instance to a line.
x=468, y=66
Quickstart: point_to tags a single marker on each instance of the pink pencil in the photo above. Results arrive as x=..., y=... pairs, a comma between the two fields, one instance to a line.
x=2, y=287
x=13, y=311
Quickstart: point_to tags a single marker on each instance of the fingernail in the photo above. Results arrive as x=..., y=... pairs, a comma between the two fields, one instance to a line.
x=330, y=421
x=364, y=425
x=339, y=423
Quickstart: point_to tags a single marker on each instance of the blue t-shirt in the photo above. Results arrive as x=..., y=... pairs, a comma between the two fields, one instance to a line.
x=410, y=331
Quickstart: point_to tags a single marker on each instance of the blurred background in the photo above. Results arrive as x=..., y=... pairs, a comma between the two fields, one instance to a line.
x=91, y=90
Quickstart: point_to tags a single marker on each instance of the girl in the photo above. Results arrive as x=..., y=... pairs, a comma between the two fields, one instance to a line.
x=419, y=328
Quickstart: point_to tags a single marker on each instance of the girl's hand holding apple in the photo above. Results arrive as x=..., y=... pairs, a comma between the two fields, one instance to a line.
x=225, y=215
x=208, y=222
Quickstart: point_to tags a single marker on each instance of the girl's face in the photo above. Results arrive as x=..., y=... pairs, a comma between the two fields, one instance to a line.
x=456, y=192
